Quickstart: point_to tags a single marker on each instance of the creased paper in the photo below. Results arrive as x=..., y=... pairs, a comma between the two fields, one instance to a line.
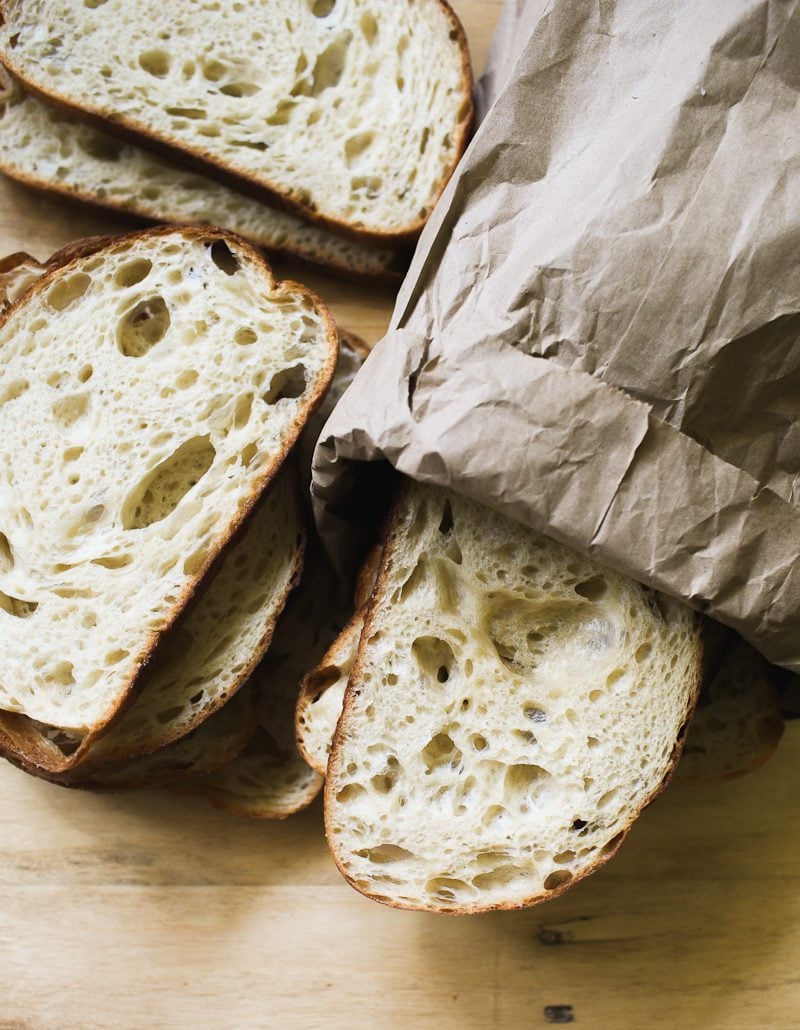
x=600, y=331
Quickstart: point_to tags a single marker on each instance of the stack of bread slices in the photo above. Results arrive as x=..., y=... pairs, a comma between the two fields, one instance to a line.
x=323, y=129
x=491, y=711
x=157, y=398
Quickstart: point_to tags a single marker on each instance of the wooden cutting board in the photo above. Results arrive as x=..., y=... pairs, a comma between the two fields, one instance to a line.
x=149, y=910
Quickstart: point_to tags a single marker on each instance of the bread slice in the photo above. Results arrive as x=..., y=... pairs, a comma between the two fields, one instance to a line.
x=270, y=779
x=738, y=723
x=148, y=394
x=322, y=696
x=512, y=708
x=354, y=113
x=213, y=744
x=319, y=704
x=204, y=659
x=43, y=147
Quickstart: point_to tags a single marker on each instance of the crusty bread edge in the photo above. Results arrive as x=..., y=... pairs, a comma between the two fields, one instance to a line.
x=265, y=190
x=334, y=764
x=155, y=779
x=64, y=259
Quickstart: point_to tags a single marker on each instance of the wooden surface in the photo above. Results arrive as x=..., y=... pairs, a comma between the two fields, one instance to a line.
x=156, y=911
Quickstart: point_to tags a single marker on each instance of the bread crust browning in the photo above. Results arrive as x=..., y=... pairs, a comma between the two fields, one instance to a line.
x=23, y=742
x=262, y=189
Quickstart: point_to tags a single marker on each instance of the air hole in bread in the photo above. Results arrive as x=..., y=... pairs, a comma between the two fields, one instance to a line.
x=155, y=62
x=479, y=742
x=143, y=327
x=369, y=27
x=445, y=888
x=85, y=374
x=286, y=383
x=557, y=879
x=214, y=70
x=533, y=712
x=68, y=410
x=435, y=657
x=244, y=336
x=100, y=147
x=93, y=3
x=67, y=291
x=160, y=493
x=322, y=8
x=113, y=561
x=133, y=272
x=195, y=562
x=242, y=411
x=592, y=589
x=16, y=606
x=384, y=783
x=6, y=554
x=248, y=453
x=643, y=651
x=240, y=89
x=356, y=146
x=440, y=752
x=384, y=853
x=193, y=113
x=350, y=792
x=499, y=877
x=16, y=388
x=329, y=65
x=520, y=781
x=224, y=258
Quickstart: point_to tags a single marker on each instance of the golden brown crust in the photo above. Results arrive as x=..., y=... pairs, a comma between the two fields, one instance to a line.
x=16, y=740
x=265, y=190
x=334, y=764
x=127, y=775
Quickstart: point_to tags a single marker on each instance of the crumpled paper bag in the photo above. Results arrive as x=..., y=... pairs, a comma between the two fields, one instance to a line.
x=600, y=331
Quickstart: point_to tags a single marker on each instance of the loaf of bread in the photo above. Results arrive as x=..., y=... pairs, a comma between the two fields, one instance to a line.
x=512, y=708
x=42, y=146
x=352, y=112
x=149, y=393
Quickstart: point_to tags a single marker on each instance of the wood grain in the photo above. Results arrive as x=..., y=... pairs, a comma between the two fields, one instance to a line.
x=153, y=911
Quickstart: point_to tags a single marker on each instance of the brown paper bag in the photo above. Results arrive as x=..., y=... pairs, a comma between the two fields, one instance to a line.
x=600, y=331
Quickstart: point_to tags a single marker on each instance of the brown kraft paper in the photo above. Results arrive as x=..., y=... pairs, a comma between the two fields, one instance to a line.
x=600, y=331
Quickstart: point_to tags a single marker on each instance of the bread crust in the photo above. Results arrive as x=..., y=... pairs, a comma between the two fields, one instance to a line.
x=263, y=189
x=334, y=764
x=135, y=780
x=20, y=741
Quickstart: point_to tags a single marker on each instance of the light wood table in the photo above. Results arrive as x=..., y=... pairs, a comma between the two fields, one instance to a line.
x=149, y=910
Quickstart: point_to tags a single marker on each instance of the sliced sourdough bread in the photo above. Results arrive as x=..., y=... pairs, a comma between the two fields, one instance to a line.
x=353, y=112
x=319, y=704
x=271, y=779
x=43, y=147
x=738, y=723
x=512, y=708
x=148, y=394
x=203, y=660
x=213, y=744
x=322, y=696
